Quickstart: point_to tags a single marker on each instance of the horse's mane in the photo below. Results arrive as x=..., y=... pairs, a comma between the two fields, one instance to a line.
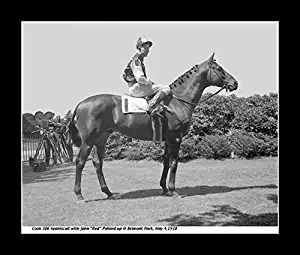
x=182, y=78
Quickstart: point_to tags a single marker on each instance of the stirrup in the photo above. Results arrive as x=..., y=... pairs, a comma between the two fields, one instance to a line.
x=166, y=108
x=155, y=112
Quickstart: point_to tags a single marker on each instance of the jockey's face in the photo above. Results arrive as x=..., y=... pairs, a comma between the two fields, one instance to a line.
x=145, y=50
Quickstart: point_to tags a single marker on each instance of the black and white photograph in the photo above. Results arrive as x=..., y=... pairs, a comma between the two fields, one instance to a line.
x=160, y=127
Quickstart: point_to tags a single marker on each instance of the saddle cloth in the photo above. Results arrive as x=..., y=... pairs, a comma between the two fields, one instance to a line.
x=133, y=104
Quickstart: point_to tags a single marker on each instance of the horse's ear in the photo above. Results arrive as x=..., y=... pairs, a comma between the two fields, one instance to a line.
x=212, y=57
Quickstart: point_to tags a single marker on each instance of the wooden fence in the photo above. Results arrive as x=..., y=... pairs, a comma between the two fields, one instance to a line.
x=29, y=146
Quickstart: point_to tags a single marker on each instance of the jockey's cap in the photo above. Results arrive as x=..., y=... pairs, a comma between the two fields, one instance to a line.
x=141, y=41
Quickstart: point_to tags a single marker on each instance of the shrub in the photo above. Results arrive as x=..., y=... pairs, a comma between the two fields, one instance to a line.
x=120, y=147
x=214, y=147
x=221, y=113
x=248, y=145
x=29, y=123
x=188, y=149
x=213, y=116
x=115, y=146
x=257, y=114
x=271, y=148
x=243, y=144
x=209, y=146
x=134, y=154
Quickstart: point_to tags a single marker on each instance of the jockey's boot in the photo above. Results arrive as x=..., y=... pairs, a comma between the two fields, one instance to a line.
x=160, y=95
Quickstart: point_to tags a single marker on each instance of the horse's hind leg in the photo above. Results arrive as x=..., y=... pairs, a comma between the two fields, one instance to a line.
x=82, y=156
x=98, y=163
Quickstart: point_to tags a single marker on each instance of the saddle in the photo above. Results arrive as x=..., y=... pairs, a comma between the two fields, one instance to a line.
x=135, y=105
x=160, y=121
x=131, y=104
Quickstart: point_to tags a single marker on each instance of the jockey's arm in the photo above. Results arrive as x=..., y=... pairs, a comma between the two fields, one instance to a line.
x=138, y=73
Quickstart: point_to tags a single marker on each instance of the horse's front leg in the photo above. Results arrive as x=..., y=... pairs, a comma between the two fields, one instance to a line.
x=174, y=150
x=163, y=180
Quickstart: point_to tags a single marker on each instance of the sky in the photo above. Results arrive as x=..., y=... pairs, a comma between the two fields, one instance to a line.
x=66, y=62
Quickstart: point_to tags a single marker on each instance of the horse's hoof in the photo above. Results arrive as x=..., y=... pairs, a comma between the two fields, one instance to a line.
x=114, y=196
x=164, y=192
x=175, y=194
x=81, y=202
x=171, y=194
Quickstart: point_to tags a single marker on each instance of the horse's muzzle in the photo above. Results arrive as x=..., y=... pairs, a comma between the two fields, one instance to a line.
x=232, y=85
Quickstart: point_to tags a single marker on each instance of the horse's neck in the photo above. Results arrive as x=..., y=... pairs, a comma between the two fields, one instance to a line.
x=198, y=94
x=188, y=88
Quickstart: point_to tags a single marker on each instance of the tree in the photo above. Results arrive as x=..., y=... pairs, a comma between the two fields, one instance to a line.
x=49, y=115
x=29, y=123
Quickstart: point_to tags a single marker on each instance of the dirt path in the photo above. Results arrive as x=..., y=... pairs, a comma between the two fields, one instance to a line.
x=214, y=193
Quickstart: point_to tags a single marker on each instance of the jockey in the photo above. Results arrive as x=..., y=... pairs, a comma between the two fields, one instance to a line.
x=138, y=83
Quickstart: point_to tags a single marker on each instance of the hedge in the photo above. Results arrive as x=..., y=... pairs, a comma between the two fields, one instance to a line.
x=243, y=145
x=248, y=127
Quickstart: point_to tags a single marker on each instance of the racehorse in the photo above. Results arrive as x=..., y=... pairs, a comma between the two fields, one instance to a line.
x=100, y=115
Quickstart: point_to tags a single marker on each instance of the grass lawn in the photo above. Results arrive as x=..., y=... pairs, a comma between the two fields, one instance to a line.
x=236, y=192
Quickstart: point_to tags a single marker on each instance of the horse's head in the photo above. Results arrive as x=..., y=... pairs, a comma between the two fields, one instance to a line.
x=217, y=76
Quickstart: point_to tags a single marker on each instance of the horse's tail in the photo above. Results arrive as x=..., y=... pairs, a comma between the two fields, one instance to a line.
x=73, y=131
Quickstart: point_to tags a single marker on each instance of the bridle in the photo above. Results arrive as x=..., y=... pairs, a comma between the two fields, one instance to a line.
x=210, y=69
